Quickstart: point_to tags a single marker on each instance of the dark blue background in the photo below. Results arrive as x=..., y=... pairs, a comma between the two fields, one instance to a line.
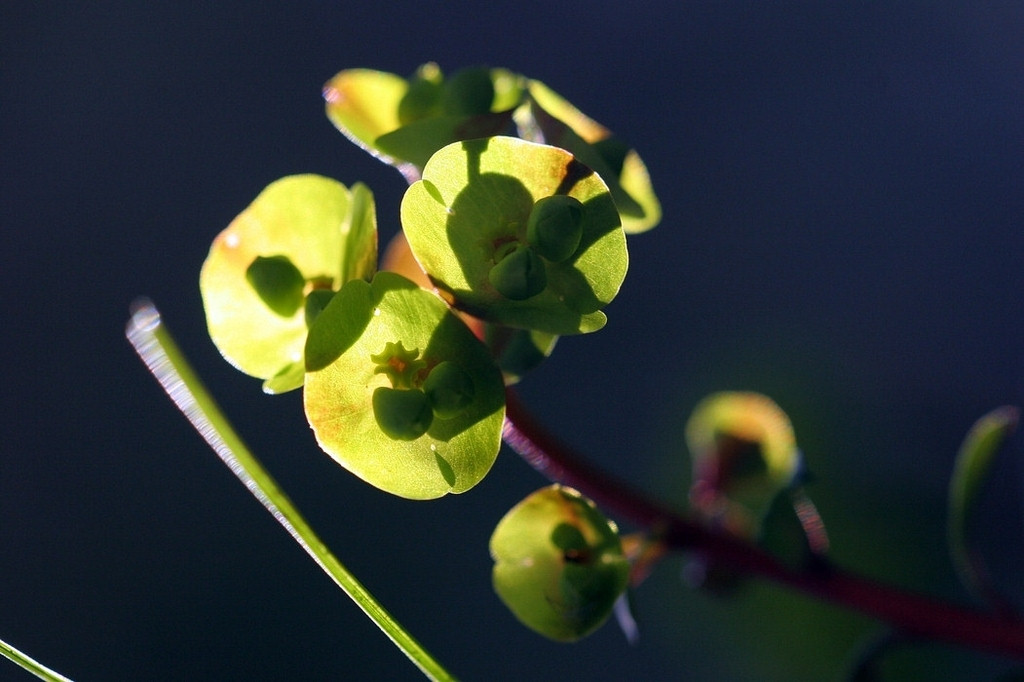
x=843, y=187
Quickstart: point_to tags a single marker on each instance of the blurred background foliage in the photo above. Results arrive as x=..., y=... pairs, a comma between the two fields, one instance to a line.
x=843, y=190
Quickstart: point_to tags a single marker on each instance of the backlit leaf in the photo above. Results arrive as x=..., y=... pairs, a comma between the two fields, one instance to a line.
x=559, y=565
x=550, y=118
x=305, y=220
x=472, y=207
x=363, y=104
x=358, y=325
x=403, y=122
x=973, y=461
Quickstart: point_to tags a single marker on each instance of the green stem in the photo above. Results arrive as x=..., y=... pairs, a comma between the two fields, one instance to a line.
x=30, y=664
x=166, y=362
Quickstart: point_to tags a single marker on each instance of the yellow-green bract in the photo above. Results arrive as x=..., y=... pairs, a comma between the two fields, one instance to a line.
x=314, y=228
x=558, y=563
x=357, y=330
x=475, y=200
x=548, y=117
x=402, y=122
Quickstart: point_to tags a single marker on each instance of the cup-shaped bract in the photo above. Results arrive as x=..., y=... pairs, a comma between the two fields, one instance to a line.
x=302, y=234
x=402, y=122
x=391, y=333
x=550, y=118
x=559, y=565
x=472, y=207
x=743, y=449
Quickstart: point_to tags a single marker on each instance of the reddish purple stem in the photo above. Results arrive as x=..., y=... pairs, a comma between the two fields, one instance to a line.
x=912, y=613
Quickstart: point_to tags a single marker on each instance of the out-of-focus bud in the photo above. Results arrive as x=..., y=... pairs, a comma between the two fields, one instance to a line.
x=744, y=453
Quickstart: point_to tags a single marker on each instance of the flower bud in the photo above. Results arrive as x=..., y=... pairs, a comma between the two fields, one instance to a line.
x=555, y=227
x=402, y=414
x=519, y=275
x=449, y=390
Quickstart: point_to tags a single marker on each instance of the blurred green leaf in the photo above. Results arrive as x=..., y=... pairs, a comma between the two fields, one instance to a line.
x=973, y=461
x=550, y=118
x=363, y=105
x=403, y=122
x=359, y=256
x=472, y=207
x=416, y=142
x=469, y=92
x=422, y=98
x=302, y=225
x=559, y=565
x=357, y=326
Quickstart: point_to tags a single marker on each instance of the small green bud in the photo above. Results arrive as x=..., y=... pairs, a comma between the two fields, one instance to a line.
x=449, y=389
x=519, y=275
x=419, y=101
x=401, y=414
x=316, y=301
x=555, y=227
x=278, y=282
x=470, y=92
